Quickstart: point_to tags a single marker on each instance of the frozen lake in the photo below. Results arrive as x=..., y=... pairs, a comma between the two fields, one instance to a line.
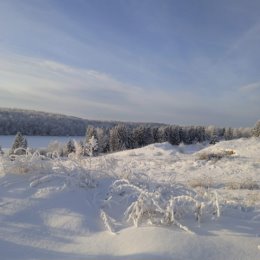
x=6, y=141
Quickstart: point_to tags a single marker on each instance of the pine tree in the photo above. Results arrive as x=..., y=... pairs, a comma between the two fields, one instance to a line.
x=174, y=135
x=162, y=134
x=1, y=151
x=79, y=148
x=184, y=135
x=214, y=136
x=191, y=135
x=200, y=135
x=138, y=136
x=228, y=134
x=103, y=140
x=155, y=136
x=119, y=138
x=70, y=147
x=91, y=131
x=92, y=147
x=148, y=136
x=19, y=142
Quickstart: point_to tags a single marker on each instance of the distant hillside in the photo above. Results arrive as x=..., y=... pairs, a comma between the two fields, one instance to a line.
x=30, y=122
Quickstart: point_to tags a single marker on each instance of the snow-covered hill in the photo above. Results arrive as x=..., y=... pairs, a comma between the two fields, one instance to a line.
x=38, y=123
x=156, y=202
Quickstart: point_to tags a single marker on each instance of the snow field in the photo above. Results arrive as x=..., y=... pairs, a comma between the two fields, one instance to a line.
x=156, y=202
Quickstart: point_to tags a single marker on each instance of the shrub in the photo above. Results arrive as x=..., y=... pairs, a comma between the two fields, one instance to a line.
x=256, y=129
x=201, y=182
x=215, y=156
x=164, y=205
x=247, y=184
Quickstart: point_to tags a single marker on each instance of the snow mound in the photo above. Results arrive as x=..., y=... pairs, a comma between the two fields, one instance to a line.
x=161, y=149
x=244, y=147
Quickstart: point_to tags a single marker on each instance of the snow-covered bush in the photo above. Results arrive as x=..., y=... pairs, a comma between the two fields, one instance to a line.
x=201, y=182
x=27, y=163
x=161, y=205
x=71, y=173
x=55, y=149
x=70, y=176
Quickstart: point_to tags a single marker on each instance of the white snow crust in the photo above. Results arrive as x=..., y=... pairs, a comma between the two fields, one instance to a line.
x=156, y=202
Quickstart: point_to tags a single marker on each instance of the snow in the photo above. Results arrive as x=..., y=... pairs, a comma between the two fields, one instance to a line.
x=156, y=202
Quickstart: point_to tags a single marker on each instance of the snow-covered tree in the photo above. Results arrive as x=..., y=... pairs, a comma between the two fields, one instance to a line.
x=228, y=134
x=190, y=135
x=245, y=132
x=200, y=134
x=103, y=140
x=174, y=135
x=162, y=134
x=119, y=138
x=148, y=136
x=183, y=134
x=19, y=142
x=138, y=136
x=92, y=147
x=256, y=129
x=212, y=133
x=70, y=147
x=154, y=131
x=142, y=136
x=236, y=133
x=79, y=148
x=1, y=151
x=91, y=131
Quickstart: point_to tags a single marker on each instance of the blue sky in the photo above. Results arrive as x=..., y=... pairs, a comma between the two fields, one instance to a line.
x=184, y=62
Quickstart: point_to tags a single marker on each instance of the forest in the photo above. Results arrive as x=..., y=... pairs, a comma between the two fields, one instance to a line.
x=30, y=122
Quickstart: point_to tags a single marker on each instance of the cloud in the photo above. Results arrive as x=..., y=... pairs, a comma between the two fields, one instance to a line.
x=27, y=79
x=250, y=36
x=49, y=85
x=34, y=83
x=251, y=88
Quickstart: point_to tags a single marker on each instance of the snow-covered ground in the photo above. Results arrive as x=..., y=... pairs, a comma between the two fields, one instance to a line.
x=156, y=202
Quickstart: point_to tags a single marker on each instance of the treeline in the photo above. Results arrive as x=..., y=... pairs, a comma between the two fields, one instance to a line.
x=109, y=136
x=122, y=137
x=30, y=122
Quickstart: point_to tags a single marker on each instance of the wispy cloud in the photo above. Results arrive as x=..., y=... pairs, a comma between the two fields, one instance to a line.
x=49, y=85
x=252, y=87
x=20, y=74
x=249, y=37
